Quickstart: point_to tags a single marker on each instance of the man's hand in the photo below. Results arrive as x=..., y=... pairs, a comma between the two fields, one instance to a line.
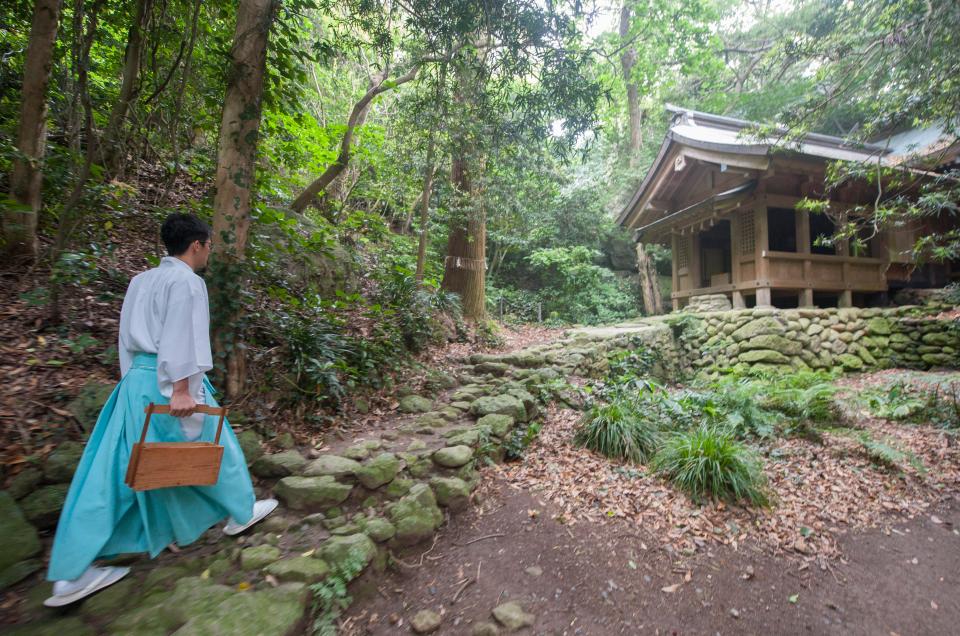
x=181, y=403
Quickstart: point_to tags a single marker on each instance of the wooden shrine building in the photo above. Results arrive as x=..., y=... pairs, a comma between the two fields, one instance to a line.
x=726, y=205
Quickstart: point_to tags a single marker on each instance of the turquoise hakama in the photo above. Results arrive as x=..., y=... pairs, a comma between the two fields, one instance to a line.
x=103, y=517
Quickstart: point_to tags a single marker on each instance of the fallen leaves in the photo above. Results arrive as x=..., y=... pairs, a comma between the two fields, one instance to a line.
x=821, y=491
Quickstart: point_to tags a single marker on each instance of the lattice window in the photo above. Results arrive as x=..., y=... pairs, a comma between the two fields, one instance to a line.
x=748, y=234
x=683, y=252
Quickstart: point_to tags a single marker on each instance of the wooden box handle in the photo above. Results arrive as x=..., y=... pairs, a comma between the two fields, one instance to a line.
x=164, y=409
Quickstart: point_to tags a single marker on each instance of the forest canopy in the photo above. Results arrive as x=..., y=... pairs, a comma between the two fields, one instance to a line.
x=373, y=169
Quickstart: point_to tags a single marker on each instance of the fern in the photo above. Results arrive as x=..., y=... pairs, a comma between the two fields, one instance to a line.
x=330, y=596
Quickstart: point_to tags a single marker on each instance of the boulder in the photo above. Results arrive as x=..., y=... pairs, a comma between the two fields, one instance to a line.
x=113, y=600
x=850, y=362
x=451, y=492
x=415, y=516
x=378, y=471
x=493, y=368
x=338, y=551
x=62, y=462
x=194, y=596
x=763, y=326
x=426, y=622
x=288, y=462
x=485, y=629
x=24, y=482
x=500, y=405
x=301, y=493
x=259, y=557
x=499, y=425
x=512, y=616
x=332, y=465
x=764, y=356
x=250, y=444
x=42, y=507
x=357, y=452
x=379, y=529
x=399, y=487
x=773, y=342
x=453, y=456
x=86, y=406
x=18, y=539
x=937, y=339
x=415, y=404
x=277, y=610
x=303, y=569
x=19, y=571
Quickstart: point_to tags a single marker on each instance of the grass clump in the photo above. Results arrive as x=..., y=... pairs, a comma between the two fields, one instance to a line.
x=618, y=431
x=707, y=462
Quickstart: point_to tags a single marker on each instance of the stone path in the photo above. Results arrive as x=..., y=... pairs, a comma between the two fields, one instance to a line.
x=344, y=512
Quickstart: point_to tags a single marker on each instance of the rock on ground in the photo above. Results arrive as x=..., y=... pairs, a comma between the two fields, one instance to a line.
x=301, y=493
x=512, y=616
x=426, y=621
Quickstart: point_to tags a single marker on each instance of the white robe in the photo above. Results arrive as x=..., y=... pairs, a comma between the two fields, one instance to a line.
x=166, y=311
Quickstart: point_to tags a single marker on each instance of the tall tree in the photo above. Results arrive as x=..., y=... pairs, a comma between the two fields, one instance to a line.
x=239, y=130
x=465, y=265
x=26, y=179
x=628, y=59
x=113, y=145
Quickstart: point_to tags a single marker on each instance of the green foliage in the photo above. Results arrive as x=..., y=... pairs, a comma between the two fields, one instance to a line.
x=901, y=401
x=516, y=445
x=330, y=596
x=630, y=368
x=708, y=463
x=574, y=289
x=619, y=430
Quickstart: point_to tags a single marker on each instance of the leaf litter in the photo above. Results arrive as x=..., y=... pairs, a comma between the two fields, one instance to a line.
x=820, y=491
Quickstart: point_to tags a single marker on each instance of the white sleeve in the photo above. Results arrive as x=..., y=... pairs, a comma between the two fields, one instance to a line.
x=123, y=346
x=184, y=349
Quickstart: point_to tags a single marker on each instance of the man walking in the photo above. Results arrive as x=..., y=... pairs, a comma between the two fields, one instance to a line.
x=164, y=356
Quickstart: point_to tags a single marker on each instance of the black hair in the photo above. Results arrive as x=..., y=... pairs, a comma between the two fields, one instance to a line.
x=180, y=230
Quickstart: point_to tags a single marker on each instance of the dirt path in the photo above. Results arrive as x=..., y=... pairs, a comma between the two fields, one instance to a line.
x=589, y=579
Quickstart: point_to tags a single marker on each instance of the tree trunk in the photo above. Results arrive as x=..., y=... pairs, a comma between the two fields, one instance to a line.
x=465, y=265
x=428, y=175
x=26, y=179
x=113, y=137
x=628, y=60
x=235, y=177
x=357, y=116
x=649, y=283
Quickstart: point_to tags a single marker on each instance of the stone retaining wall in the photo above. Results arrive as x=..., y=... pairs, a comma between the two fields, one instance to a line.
x=846, y=340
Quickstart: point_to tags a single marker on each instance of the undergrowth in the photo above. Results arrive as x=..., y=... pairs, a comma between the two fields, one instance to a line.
x=903, y=402
x=707, y=462
x=330, y=596
x=619, y=431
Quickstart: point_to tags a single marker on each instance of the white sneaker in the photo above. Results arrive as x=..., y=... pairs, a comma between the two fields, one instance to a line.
x=260, y=510
x=90, y=582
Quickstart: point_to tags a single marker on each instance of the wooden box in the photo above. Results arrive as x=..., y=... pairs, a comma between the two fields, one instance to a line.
x=170, y=464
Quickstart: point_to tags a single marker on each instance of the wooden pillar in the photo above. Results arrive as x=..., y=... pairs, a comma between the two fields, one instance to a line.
x=803, y=247
x=762, y=240
x=696, y=273
x=736, y=297
x=846, y=299
x=763, y=297
x=675, y=270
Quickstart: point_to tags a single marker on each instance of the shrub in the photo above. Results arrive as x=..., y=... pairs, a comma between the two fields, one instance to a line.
x=516, y=445
x=708, y=462
x=615, y=430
